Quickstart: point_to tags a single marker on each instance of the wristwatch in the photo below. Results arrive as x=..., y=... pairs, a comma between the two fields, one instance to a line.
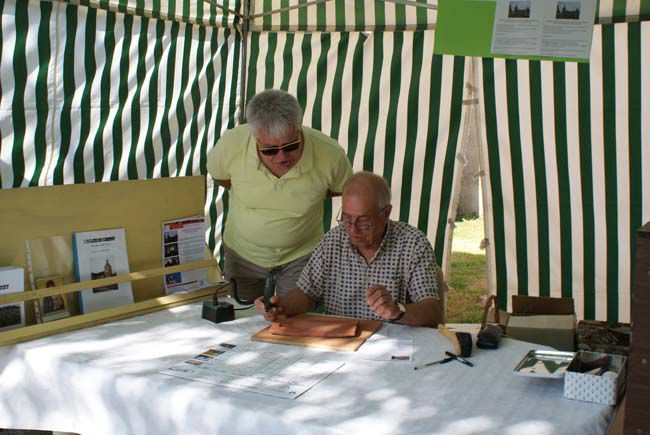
x=402, y=311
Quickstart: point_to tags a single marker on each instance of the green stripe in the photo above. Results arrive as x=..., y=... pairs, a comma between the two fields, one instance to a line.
x=634, y=126
x=165, y=132
x=559, y=94
x=42, y=105
x=541, y=194
x=301, y=88
x=269, y=71
x=132, y=168
x=180, y=106
x=287, y=66
x=611, y=199
x=337, y=85
x=431, y=143
x=123, y=94
x=456, y=112
x=400, y=17
x=90, y=66
x=357, y=79
x=68, y=92
x=619, y=11
x=321, y=76
x=104, y=102
x=380, y=16
x=255, y=38
x=149, y=152
x=209, y=123
x=302, y=17
x=317, y=113
x=412, y=126
x=644, y=10
x=517, y=170
x=233, y=95
x=495, y=182
x=17, y=104
x=587, y=181
x=284, y=17
x=359, y=16
x=321, y=17
x=195, y=95
x=374, y=101
x=339, y=11
x=391, y=119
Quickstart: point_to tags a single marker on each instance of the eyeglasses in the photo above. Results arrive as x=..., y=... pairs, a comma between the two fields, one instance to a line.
x=364, y=225
x=273, y=150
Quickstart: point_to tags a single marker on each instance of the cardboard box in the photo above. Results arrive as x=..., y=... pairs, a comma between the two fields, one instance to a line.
x=547, y=321
x=12, y=280
x=603, y=388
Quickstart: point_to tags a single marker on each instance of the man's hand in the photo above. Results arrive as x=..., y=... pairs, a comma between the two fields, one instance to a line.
x=275, y=313
x=381, y=302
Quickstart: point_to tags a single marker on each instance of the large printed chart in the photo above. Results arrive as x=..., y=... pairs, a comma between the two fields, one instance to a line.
x=254, y=369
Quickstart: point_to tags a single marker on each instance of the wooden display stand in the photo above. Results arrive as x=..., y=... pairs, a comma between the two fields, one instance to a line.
x=138, y=206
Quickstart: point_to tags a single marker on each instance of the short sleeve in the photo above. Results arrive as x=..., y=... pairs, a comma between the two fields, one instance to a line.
x=312, y=276
x=341, y=172
x=217, y=162
x=423, y=273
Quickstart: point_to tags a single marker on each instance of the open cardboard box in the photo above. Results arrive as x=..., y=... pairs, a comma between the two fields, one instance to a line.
x=596, y=388
x=542, y=320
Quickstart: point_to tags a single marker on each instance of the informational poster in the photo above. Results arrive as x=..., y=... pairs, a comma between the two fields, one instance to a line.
x=556, y=30
x=183, y=243
x=544, y=28
x=254, y=369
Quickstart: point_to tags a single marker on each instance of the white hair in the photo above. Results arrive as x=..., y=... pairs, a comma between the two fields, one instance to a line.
x=364, y=182
x=274, y=112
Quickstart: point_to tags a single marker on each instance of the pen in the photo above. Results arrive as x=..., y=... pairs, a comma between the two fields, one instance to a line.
x=441, y=361
x=456, y=357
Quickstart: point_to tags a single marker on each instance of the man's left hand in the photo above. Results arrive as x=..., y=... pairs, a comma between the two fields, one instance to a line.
x=381, y=302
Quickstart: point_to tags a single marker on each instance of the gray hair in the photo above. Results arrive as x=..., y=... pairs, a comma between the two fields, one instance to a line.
x=367, y=183
x=274, y=112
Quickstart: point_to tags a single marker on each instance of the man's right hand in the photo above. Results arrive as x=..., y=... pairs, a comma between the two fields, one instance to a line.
x=276, y=312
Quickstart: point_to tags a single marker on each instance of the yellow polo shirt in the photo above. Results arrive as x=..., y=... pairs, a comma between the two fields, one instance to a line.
x=271, y=220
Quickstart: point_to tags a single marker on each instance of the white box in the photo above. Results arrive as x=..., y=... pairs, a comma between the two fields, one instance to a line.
x=12, y=280
x=602, y=389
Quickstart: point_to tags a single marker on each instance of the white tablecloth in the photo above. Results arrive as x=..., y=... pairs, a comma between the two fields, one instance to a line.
x=105, y=380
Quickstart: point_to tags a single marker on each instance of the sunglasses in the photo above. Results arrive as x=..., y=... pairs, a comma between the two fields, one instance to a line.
x=287, y=147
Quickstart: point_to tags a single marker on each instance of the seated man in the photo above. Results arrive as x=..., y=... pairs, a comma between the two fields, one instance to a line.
x=369, y=267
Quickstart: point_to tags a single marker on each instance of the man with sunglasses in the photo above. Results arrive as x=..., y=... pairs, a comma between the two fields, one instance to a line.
x=278, y=173
x=368, y=267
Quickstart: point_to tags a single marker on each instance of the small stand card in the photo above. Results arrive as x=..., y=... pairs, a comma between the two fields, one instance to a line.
x=184, y=242
x=102, y=254
x=53, y=307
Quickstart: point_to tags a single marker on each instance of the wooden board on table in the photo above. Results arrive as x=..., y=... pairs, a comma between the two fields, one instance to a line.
x=348, y=344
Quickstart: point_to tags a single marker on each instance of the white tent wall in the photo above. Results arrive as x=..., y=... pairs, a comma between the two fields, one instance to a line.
x=567, y=158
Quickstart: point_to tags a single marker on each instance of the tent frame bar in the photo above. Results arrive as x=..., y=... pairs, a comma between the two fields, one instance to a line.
x=314, y=2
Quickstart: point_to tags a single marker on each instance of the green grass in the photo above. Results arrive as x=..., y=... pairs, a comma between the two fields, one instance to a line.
x=468, y=273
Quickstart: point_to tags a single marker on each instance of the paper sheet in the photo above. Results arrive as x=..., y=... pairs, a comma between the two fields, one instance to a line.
x=254, y=369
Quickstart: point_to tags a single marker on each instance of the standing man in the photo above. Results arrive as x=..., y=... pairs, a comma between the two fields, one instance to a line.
x=278, y=173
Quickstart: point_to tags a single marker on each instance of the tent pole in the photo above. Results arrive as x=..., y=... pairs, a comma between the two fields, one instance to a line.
x=242, y=63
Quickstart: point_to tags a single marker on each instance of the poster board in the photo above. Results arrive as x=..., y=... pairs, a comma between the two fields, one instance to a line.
x=557, y=30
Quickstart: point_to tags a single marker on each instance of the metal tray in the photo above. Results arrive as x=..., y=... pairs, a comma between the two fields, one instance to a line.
x=544, y=364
